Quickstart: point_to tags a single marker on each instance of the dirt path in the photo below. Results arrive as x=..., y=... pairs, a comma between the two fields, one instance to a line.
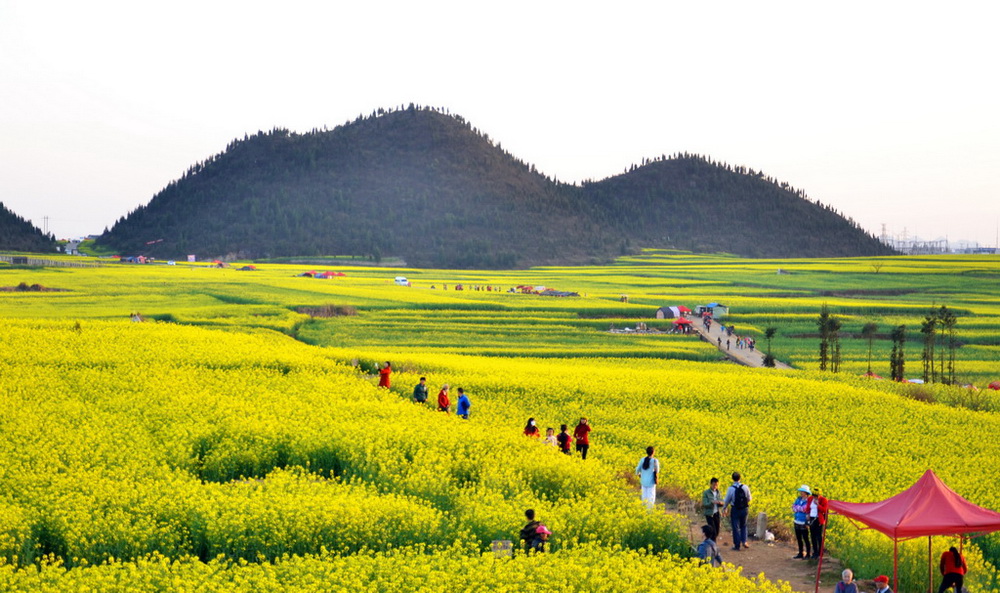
x=772, y=559
x=744, y=356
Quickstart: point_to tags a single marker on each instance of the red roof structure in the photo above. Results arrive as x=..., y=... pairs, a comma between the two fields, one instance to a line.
x=927, y=508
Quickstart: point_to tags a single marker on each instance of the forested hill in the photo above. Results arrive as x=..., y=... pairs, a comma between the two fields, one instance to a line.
x=426, y=186
x=17, y=234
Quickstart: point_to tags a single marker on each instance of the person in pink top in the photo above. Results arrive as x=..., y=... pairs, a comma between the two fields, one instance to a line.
x=582, y=435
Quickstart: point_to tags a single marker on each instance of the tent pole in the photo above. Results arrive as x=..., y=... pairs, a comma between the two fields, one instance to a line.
x=822, y=548
x=930, y=572
x=895, y=564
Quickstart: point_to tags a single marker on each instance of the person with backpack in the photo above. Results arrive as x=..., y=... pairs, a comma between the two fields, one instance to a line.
x=534, y=533
x=648, y=471
x=738, y=497
x=708, y=551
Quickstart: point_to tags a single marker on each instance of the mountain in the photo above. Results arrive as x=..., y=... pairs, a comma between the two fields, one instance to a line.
x=428, y=187
x=17, y=234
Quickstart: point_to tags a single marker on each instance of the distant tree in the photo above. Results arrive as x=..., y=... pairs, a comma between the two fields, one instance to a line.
x=868, y=332
x=947, y=320
x=928, y=327
x=769, y=334
x=823, y=324
x=897, y=359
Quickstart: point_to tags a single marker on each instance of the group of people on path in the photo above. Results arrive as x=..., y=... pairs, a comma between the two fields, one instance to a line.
x=581, y=436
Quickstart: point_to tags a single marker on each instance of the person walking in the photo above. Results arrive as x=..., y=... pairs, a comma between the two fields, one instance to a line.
x=648, y=471
x=582, y=435
x=818, y=507
x=464, y=405
x=738, y=498
x=564, y=440
x=711, y=506
x=800, y=516
x=444, y=403
x=708, y=551
x=531, y=430
x=383, y=375
x=953, y=568
x=420, y=391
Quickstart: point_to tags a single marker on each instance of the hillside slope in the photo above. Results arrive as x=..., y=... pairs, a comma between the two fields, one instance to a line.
x=427, y=187
x=17, y=234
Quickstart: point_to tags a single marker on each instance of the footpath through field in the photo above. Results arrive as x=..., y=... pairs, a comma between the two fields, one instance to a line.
x=727, y=345
x=772, y=559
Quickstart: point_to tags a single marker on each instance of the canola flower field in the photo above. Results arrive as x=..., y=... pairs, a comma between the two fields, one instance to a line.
x=232, y=442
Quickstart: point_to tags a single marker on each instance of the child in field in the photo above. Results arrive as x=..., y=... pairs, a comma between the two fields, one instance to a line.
x=564, y=440
x=707, y=550
x=550, y=437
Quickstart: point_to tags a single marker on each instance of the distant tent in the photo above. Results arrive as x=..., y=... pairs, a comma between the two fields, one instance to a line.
x=668, y=312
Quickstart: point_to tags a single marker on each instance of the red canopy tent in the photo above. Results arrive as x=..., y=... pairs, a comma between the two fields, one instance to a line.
x=927, y=508
x=682, y=321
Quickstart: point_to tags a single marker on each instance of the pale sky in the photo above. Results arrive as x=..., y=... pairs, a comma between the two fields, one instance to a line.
x=889, y=111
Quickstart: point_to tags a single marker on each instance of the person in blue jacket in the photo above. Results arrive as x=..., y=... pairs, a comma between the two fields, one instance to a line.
x=800, y=516
x=464, y=405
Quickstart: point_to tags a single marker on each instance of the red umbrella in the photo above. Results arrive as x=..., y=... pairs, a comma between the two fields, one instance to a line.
x=683, y=309
x=682, y=321
x=994, y=385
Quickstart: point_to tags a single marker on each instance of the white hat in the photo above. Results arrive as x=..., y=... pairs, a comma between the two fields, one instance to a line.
x=804, y=488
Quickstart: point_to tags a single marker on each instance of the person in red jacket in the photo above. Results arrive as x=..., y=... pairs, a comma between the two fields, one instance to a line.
x=582, y=435
x=383, y=375
x=953, y=568
x=443, y=401
x=531, y=429
x=818, y=506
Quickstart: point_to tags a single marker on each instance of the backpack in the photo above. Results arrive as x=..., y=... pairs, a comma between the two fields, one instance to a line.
x=740, y=500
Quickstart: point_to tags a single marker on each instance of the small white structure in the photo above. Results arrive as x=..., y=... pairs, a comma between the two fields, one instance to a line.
x=402, y=281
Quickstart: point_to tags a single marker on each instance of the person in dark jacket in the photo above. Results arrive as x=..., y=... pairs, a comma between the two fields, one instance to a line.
x=420, y=391
x=529, y=533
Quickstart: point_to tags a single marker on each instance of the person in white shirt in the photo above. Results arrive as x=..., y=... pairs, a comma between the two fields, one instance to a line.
x=648, y=471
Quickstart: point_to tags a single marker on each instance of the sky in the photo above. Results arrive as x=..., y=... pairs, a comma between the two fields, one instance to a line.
x=887, y=111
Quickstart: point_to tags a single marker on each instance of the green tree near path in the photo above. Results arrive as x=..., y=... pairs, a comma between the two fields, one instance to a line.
x=769, y=334
x=868, y=332
x=897, y=359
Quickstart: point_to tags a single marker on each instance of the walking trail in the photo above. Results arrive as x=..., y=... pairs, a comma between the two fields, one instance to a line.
x=771, y=559
x=744, y=356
